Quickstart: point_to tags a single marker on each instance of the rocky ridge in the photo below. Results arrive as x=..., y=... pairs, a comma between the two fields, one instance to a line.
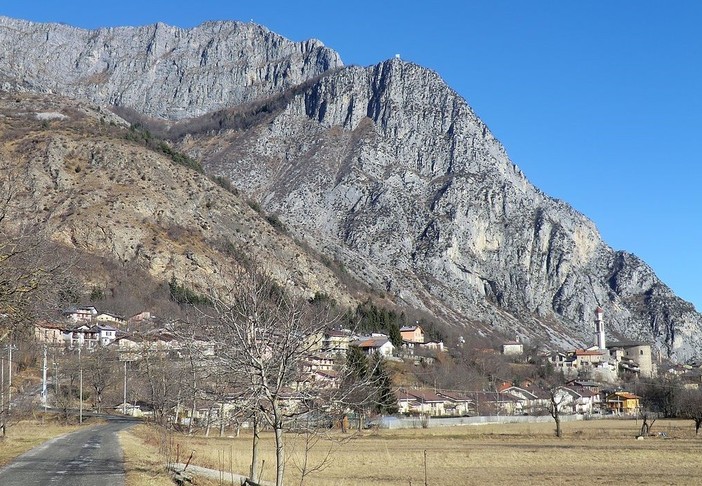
x=385, y=168
x=159, y=70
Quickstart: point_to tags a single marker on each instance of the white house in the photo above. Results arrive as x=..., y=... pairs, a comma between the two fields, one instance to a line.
x=421, y=402
x=109, y=318
x=81, y=314
x=375, y=343
x=105, y=333
x=512, y=348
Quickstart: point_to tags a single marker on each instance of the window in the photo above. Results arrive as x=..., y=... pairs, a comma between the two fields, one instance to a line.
x=641, y=352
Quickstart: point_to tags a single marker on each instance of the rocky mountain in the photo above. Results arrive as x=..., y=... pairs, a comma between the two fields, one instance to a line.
x=384, y=169
x=131, y=215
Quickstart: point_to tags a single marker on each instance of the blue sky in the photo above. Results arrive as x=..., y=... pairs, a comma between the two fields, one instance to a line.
x=599, y=103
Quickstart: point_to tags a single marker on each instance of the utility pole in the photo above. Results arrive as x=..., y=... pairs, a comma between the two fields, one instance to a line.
x=124, y=404
x=43, y=381
x=10, y=347
x=43, y=386
x=2, y=394
x=80, y=403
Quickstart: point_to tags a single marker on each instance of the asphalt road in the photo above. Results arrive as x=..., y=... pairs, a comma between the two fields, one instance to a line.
x=87, y=457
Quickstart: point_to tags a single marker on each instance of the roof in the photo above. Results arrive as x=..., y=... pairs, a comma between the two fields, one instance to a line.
x=455, y=396
x=483, y=397
x=627, y=344
x=423, y=396
x=336, y=333
x=409, y=328
x=103, y=327
x=586, y=352
x=623, y=394
x=583, y=383
x=582, y=392
x=371, y=342
x=50, y=325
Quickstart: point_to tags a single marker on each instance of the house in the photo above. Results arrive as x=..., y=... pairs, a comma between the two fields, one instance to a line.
x=633, y=356
x=421, y=402
x=561, y=361
x=336, y=341
x=411, y=348
x=591, y=358
x=325, y=378
x=49, y=333
x=432, y=345
x=457, y=404
x=81, y=314
x=109, y=318
x=132, y=346
x=412, y=334
x=529, y=399
x=513, y=348
x=623, y=403
x=130, y=409
x=318, y=362
x=376, y=343
x=82, y=336
x=495, y=403
x=592, y=386
x=105, y=333
x=577, y=400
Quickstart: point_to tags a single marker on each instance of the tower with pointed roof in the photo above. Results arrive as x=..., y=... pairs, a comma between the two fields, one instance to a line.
x=599, y=329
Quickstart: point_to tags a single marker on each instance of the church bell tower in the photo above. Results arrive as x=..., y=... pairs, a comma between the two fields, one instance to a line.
x=599, y=329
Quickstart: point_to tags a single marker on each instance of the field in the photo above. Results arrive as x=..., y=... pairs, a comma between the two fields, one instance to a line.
x=596, y=451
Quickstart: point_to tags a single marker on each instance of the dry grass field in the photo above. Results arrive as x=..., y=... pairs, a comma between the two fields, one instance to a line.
x=604, y=451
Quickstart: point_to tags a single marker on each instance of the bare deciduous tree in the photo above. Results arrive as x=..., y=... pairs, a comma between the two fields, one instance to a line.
x=264, y=335
x=101, y=371
x=690, y=407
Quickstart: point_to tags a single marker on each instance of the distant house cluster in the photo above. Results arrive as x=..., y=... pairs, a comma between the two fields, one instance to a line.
x=606, y=359
x=413, y=339
x=527, y=398
x=81, y=327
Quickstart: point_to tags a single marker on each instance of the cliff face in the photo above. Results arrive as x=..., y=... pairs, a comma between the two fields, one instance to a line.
x=389, y=169
x=385, y=169
x=159, y=70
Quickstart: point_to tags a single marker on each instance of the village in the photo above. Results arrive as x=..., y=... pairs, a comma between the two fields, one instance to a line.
x=594, y=380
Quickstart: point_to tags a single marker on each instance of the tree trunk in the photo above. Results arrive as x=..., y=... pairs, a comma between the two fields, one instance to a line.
x=254, y=451
x=279, y=453
x=221, y=419
x=209, y=421
x=557, y=418
x=698, y=423
x=193, y=409
x=279, y=449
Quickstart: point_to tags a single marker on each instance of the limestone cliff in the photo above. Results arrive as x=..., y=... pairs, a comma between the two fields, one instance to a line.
x=159, y=70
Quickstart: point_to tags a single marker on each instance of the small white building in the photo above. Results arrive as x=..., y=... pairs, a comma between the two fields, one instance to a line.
x=513, y=348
